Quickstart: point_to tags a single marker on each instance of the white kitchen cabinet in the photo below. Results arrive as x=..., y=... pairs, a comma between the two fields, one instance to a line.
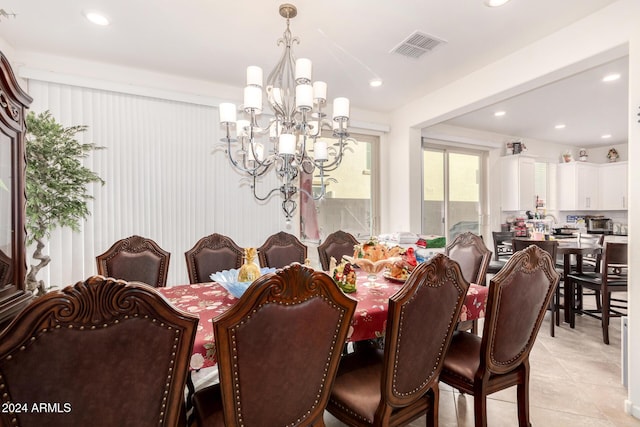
x=613, y=186
x=552, y=187
x=517, y=183
x=578, y=186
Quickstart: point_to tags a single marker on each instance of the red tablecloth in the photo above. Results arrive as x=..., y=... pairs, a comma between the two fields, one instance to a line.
x=208, y=300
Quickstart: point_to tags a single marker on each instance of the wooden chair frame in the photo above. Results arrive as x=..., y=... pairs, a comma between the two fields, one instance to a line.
x=135, y=245
x=474, y=245
x=339, y=242
x=208, y=247
x=551, y=247
x=611, y=278
x=116, y=353
x=404, y=378
x=278, y=241
x=278, y=350
x=523, y=288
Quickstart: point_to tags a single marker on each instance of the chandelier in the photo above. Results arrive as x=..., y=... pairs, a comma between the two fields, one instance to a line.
x=288, y=142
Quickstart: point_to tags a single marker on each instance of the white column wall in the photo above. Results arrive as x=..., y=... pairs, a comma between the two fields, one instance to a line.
x=633, y=403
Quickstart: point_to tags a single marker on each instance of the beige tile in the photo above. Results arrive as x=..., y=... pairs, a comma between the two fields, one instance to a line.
x=575, y=382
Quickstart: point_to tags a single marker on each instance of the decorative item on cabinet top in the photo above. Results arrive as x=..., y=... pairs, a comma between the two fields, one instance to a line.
x=583, y=155
x=613, y=155
x=516, y=147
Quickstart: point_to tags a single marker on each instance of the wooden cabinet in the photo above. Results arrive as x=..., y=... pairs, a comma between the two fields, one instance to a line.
x=517, y=183
x=578, y=186
x=13, y=104
x=613, y=186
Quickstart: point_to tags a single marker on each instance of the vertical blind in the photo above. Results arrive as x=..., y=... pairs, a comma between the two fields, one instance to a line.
x=164, y=180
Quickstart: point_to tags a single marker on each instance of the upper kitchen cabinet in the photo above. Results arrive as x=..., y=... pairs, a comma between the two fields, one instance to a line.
x=517, y=183
x=578, y=186
x=613, y=186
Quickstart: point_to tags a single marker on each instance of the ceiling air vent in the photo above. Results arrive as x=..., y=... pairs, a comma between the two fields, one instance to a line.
x=417, y=44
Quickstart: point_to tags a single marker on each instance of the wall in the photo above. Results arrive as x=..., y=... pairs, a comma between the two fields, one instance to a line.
x=599, y=38
x=197, y=201
x=632, y=405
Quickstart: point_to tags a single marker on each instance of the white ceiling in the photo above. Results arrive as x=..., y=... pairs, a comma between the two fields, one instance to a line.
x=348, y=41
x=587, y=106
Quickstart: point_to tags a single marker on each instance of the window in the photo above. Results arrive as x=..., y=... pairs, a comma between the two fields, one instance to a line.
x=451, y=191
x=349, y=203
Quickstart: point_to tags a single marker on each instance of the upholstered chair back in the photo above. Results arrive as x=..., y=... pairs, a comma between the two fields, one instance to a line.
x=549, y=246
x=278, y=348
x=433, y=295
x=102, y=353
x=211, y=254
x=336, y=245
x=398, y=384
x=518, y=298
x=281, y=249
x=473, y=256
x=135, y=259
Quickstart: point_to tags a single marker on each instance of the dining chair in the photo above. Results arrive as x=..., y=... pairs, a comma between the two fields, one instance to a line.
x=211, y=254
x=281, y=249
x=612, y=277
x=397, y=384
x=499, y=359
x=278, y=349
x=135, y=259
x=551, y=247
x=468, y=250
x=501, y=251
x=336, y=245
x=591, y=262
x=101, y=353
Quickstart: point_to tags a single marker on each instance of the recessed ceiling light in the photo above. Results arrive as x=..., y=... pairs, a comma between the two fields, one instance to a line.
x=375, y=82
x=606, y=136
x=499, y=113
x=611, y=77
x=495, y=3
x=560, y=126
x=97, y=18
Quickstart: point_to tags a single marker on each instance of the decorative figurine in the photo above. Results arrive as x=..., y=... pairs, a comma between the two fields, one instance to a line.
x=583, y=155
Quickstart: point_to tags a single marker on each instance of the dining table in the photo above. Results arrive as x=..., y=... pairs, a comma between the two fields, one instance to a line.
x=209, y=300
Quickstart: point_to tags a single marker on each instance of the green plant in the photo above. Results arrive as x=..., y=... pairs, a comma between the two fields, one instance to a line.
x=56, y=184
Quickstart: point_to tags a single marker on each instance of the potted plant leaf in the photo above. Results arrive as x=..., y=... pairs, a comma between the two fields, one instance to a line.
x=56, y=185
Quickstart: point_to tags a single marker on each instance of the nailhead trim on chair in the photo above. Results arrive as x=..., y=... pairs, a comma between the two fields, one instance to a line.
x=527, y=267
x=350, y=411
x=235, y=353
x=9, y=357
x=449, y=276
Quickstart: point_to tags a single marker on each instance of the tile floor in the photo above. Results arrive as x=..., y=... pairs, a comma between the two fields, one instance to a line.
x=575, y=381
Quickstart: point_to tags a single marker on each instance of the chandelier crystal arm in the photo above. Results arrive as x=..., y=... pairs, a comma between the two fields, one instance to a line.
x=258, y=170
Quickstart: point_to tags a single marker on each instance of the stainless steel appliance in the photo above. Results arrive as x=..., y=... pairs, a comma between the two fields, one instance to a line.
x=599, y=225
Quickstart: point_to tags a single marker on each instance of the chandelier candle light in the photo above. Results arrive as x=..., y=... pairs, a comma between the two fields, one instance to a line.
x=297, y=106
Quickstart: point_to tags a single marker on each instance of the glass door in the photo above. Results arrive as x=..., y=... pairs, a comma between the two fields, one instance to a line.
x=451, y=191
x=350, y=201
